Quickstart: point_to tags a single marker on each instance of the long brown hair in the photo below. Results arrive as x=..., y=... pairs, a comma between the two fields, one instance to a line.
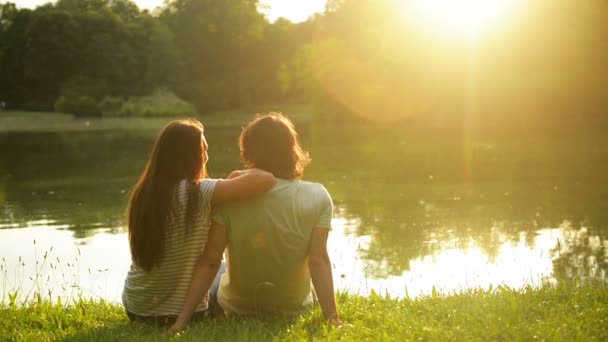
x=270, y=142
x=177, y=155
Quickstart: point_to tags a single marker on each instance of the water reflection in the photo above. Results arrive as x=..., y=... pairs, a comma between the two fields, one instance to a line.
x=56, y=264
x=404, y=225
x=49, y=260
x=399, y=235
x=581, y=255
x=526, y=261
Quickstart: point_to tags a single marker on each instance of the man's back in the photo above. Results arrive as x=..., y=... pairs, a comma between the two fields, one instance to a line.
x=268, y=239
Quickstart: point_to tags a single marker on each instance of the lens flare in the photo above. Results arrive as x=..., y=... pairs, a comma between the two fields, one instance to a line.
x=458, y=18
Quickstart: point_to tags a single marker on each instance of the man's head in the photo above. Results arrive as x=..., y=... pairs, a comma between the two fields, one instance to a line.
x=270, y=142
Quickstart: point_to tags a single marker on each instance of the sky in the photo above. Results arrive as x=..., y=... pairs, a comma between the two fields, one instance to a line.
x=294, y=10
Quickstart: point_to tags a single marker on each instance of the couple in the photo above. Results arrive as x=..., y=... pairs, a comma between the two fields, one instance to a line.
x=274, y=226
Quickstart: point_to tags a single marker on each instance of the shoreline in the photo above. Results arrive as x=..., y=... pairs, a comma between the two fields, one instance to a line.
x=39, y=122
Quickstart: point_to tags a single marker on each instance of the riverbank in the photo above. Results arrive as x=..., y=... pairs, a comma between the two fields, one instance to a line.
x=22, y=121
x=564, y=313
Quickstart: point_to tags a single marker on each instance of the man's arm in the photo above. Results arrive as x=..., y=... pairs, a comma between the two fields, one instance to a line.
x=204, y=272
x=320, y=272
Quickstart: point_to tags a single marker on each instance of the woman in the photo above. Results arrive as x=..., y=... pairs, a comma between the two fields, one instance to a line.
x=168, y=220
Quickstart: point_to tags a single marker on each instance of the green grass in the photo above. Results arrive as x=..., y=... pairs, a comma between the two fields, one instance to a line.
x=562, y=313
x=23, y=121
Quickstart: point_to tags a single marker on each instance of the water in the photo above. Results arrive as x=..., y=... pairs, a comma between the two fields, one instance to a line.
x=413, y=212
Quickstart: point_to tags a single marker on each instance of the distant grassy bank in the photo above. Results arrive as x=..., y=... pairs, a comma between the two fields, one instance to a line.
x=23, y=121
x=562, y=313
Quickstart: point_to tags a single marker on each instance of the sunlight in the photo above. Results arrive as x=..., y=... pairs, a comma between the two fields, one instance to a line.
x=517, y=264
x=149, y=4
x=458, y=18
x=294, y=10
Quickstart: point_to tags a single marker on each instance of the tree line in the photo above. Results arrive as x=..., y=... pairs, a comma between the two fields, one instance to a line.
x=358, y=59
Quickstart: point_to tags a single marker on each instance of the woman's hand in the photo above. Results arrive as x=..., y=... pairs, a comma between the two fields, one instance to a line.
x=178, y=326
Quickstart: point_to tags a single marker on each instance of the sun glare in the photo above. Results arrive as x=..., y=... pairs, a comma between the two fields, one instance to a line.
x=458, y=18
x=293, y=10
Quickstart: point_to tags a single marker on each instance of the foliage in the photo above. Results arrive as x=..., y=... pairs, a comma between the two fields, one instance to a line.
x=217, y=55
x=83, y=49
x=160, y=103
x=550, y=313
x=79, y=96
x=110, y=106
x=216, y=40
x=78, y=105
x=359, y=59
x=13, y=48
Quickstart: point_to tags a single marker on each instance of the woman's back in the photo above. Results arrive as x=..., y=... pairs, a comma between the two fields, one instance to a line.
x=162, y=290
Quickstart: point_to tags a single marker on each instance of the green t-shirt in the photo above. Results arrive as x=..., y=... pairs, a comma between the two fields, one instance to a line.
x=268, y=239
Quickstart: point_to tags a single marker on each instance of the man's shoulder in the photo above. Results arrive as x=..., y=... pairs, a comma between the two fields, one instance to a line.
x=312, y=186
x=315, y=191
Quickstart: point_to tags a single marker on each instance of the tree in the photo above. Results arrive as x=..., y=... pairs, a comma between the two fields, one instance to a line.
x=216, y=39
x=13, y=48
x=12, y=31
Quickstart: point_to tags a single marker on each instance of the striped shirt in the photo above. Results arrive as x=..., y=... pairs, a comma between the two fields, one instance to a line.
x=162, y=291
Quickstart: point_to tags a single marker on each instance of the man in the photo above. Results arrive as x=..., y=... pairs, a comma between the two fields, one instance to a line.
x=276, y=242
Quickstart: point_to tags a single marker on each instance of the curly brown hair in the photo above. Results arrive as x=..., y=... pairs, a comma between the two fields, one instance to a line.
x=270, y=142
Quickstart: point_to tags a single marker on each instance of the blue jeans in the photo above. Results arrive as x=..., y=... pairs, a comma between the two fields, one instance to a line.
x=215, y=310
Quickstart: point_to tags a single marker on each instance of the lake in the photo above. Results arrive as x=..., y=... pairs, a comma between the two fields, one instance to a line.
x=416, y=212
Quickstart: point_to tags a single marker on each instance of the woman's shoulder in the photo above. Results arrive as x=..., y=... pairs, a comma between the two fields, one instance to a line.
x=185, y=187
x=203, y=184
x=207, y=185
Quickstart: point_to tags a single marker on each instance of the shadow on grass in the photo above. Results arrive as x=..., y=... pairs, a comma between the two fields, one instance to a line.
x=123, y=331
x=229, y=329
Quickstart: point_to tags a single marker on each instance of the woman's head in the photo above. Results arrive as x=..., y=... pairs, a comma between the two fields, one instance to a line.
x=270, y=142
x=180, y=152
